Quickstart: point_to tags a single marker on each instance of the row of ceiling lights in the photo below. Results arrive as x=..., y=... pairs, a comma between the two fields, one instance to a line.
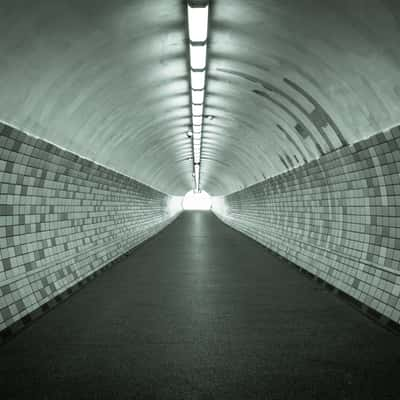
x=198, y=35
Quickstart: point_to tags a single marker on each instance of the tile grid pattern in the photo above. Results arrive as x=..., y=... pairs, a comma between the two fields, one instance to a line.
x=337, y=217
x=62, y=218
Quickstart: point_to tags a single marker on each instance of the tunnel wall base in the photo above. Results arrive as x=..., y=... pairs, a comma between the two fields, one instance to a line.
x=337, y=217
x=62, y=218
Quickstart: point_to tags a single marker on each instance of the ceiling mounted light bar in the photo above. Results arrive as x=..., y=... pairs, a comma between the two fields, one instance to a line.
x=197, y=120
x=198, y=56
x=197, y=129
x=198, y=79
x=198, y=35
x=197, y=110
x=197, y=21
x=198, y=96
x=197, y=177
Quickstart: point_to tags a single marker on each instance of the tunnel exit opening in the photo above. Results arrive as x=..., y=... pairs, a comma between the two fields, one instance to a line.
x=197, y=201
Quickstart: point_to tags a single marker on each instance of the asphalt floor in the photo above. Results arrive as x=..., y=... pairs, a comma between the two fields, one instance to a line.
x=202, y=312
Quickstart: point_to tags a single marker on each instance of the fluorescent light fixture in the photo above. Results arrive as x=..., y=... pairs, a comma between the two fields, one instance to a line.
x=196, y=129
x=197, y=120
x=197, y=176
x=198, y=35
x=198, y=54
x=198, y=79
x=198, y=23
x=198, y=96
x=197, y=110
x=197, y=139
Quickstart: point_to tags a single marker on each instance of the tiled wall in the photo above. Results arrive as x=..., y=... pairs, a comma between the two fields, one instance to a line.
x=337, y=217
x=62, y=218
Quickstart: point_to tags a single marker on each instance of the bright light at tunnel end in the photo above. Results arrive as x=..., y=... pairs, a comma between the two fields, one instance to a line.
x=197, y=19
x=197, y=201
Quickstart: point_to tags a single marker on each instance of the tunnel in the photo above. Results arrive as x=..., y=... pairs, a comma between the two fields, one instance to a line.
x=200, y=199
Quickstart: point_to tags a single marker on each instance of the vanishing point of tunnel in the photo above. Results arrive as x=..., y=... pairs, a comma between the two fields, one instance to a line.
x=200, y=199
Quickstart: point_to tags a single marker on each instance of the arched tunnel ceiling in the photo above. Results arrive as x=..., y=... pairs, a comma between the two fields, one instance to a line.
x=288, y=81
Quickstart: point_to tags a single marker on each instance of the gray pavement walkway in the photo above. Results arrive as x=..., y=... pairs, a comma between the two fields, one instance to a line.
x=202, y=312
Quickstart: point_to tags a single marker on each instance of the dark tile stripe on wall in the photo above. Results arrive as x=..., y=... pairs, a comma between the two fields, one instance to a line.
x=337, y=217
x=62, y=218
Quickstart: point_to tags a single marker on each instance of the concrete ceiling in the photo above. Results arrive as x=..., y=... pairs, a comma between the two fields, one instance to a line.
x=288, y=81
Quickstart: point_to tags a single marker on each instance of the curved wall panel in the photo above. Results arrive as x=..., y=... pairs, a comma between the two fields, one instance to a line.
x=62, y=218
x=287, y=82
x=337, y=217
